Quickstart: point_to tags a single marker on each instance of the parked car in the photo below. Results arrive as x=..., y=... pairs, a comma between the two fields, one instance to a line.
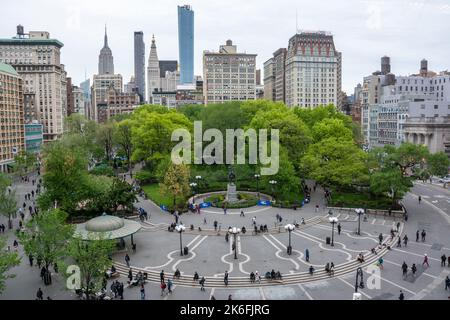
x=445, y=179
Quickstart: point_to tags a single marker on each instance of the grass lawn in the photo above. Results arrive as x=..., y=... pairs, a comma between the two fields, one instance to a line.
x=359, y=200
x=154, y=193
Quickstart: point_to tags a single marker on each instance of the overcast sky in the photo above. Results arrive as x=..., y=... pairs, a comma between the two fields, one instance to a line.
x=364, y=30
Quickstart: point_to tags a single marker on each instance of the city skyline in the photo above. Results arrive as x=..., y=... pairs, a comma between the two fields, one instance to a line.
x=363, y=31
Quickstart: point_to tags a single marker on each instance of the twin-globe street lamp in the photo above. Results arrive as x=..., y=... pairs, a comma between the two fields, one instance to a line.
x=359, y=212
x=234, y=231
x=180, y=228
x=273, y=183
x=195, y=186
x=333, y=221
x=289, y=228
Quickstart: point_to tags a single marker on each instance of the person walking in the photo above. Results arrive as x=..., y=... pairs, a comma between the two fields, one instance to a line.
x=163, y=288
x=161, y=276
x=130, y=275
x=215, y=225
x=307, y=255
x=30, y=258
x=202, y=284
x=404, y=269
x=414, y=269
x=380, y=263
x=401, y=296
x=39, y=294
x=425, y=260
x=420, y=199
x=127, y=260
x=417, y=236
x=443, y=260
x=447, y=283
x=405, y=240
x=169, y=285
x=225, y=278
x=339, y=228
x=242, y=213
x=424, y=234
x=398, y=226
x=142, y=292
x=230, y=297
x=380, y=238
x=399, y=242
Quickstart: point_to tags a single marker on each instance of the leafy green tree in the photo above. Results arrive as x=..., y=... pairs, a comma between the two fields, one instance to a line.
x=122, y=195
x=329, y=128
x=192, y=111
x=336, y=162
x=8, y=205
x=123, y=138
x=311, y=116
x=176, y=182
x=8, y=260
x=406, y=157
x=105, y=138
x=295, y=136
x=46, y=236
x=24, y=163
x=65, y=177
x=93, y=259
x=438, y=163
x=390, y=182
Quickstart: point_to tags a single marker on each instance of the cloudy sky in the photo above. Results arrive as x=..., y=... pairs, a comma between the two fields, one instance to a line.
x=364, y=30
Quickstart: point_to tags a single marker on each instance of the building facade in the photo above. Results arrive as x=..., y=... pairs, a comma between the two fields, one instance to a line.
x=313, y=70
x=11, y=116
x=186, y=43
x=100, y=87
x=279, y=60
x=78, y=101
x=139, y=64
x=117, y=103
x=36, y=57
x=228, y=75
x=33, y=137
x=269, y=80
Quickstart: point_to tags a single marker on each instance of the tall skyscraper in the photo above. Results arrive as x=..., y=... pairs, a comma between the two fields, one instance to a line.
x=153, y=72
x=186, y=43
x=36, y=57
x=139, y=64
x=105, y=59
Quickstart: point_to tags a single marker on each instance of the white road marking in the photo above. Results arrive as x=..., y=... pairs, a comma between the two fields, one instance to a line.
x=390, y=282
x=212, y=293
x=373, y=221
x=305, y=292
x=415, y=254
x=174, y=267
x=243, y=254
x=359, y=290
x=261, y=291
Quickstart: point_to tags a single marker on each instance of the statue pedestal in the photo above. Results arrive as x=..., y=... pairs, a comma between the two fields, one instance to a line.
x=232, y=195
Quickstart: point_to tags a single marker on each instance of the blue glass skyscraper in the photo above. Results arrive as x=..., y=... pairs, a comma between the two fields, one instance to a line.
x=186, y=43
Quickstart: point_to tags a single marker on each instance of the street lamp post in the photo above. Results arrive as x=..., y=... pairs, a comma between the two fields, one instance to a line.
x=193, y=185
x=257, y=176
x=198, y=178
x=333, y=221
x=234, y=231
x=359, y=212
x=273, y=183
x=289, y=228
x=180, y=228
x=359, y=283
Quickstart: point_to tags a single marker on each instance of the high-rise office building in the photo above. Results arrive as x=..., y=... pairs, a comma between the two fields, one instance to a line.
x=105, y=59
x=186, y=43
x=36, y=57
x=139, y=64
x=85, y=86
x=11, y=114
x=228, y=75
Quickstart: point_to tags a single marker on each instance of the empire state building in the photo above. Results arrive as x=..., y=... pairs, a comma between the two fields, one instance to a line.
x=105, y=59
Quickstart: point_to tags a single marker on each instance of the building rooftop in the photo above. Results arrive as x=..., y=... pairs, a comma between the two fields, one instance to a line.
x=6, y=68
x=28, y=41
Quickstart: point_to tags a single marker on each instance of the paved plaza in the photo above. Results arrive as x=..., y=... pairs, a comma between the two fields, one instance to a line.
x=210, y=255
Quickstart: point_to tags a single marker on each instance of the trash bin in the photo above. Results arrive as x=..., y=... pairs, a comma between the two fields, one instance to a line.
x=328, y=240
x=289, y=250
x=186, y=250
